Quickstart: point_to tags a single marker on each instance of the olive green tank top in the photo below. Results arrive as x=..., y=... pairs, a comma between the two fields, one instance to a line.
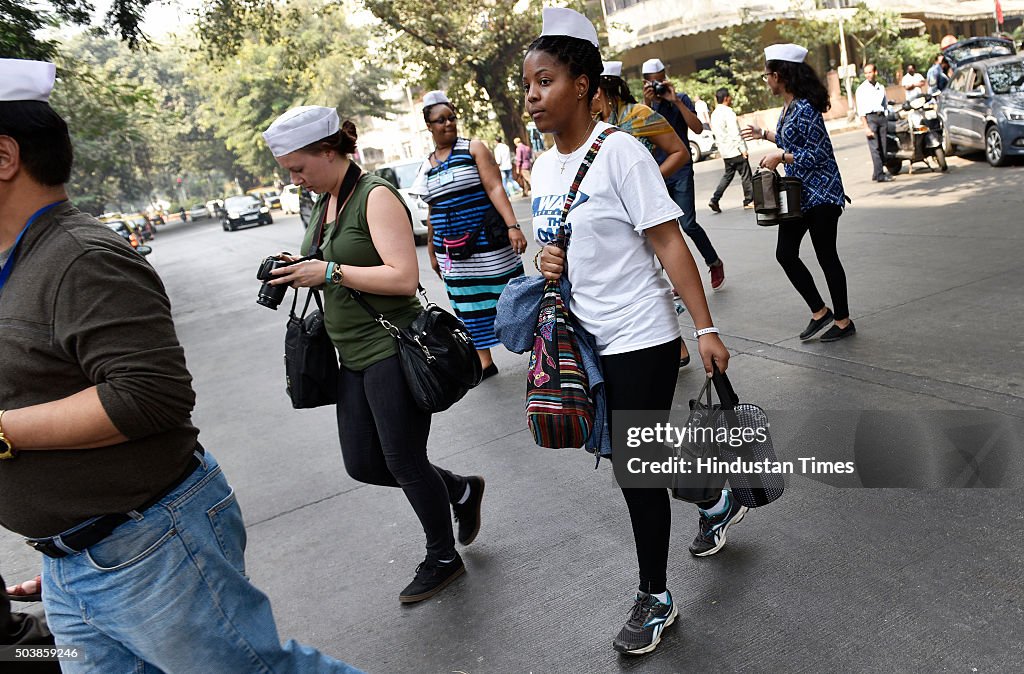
x=359, y=339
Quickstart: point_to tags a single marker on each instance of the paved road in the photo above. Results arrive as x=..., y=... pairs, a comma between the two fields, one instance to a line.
x=825, y=579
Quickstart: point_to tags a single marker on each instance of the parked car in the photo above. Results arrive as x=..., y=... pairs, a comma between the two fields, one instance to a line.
x=244, y=210
x=401, y=174
x=197, y=212
x=141, y=225
x=306, y=200
x=122, y=228
x=290, y=199
x=702, y=145
x=213, y=207
x=983, y=107
x=270, y=196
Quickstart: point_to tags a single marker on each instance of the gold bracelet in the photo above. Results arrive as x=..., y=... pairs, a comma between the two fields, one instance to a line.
x=6, y=448
x=536, y=260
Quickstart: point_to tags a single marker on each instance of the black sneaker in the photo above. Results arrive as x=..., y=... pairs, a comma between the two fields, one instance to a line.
x=835, y=333
x=713, y=205
x=431, y=578
x=649, y=618
x=711, y=530
x=468, y=513
x=816, y=325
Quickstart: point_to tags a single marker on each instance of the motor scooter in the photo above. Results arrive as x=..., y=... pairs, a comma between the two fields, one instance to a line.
x=914, y=134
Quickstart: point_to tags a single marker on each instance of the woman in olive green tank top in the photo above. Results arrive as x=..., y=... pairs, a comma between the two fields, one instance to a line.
x=367, y=245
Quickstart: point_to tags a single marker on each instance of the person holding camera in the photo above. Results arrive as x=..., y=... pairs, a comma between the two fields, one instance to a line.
x=617, y=235
x=141, y=538
x=805, y=149
x=362, y=233
x=462, y=185
x=678, y=109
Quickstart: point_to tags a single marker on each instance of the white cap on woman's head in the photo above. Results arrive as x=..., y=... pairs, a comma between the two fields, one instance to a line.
x=299, y=127
x=570, y=23
x=612, y=69
x=435, y=97
x=22, y=80
x=793, y=53
x=652, y=66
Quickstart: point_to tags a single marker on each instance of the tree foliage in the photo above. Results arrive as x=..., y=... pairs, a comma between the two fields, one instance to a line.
x=20, y=21
x=258, y=65
x=471, y=48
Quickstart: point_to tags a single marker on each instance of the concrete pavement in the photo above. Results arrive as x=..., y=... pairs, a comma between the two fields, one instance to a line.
x=825, y=579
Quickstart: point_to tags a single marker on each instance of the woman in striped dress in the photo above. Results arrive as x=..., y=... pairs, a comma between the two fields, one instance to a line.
x=461, y=182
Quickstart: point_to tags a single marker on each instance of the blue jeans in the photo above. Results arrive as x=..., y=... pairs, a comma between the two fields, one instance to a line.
x=511, y=186
x=167, y=592
x=682, y=192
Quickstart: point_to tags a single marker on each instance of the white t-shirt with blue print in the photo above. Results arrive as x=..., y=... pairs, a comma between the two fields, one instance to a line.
x=618, y=291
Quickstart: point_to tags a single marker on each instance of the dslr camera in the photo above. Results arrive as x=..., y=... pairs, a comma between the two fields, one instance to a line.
x=270, y=296
x=660, y=88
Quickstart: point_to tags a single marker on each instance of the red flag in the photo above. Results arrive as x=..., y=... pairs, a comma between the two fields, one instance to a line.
x=999, y=13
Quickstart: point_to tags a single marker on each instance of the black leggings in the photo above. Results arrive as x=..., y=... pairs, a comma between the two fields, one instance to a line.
x=823, y=223
x=384, y=442
x=645, y=380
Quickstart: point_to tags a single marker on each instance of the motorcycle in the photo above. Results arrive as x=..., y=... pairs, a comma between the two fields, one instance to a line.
x=914, y=134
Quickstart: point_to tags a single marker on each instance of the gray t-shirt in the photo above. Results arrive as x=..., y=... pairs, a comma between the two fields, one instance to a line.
x=4, y=255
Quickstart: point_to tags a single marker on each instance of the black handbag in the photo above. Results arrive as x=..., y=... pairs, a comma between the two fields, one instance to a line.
x=310, y=360
x=437, y=354
x=698, y=486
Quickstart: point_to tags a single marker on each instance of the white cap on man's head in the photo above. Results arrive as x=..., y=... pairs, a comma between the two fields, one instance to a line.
x=570, y=23
x=652, y=66
x=435, y=97
x=612, y=69
x=793, y=53
x=22, y=80
x=299, y=127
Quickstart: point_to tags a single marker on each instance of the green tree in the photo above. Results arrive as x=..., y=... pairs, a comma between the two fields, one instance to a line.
x=874, y=32
x=472, y=48
x=20, y=22
x=305, y=53
x=745, y=45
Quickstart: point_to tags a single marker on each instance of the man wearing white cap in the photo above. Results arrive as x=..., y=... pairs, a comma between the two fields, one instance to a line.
x=680, y=112
x=100, y=470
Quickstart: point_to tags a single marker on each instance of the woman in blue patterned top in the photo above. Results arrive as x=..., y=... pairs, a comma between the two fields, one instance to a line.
x=460, y=181
x=806, y=151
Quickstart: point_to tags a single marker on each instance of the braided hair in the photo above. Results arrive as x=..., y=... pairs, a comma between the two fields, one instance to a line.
x=581, y=57
x=616, y=89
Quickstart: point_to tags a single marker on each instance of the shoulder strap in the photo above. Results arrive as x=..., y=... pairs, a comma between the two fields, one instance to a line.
x=563, y=234
x=348, y=185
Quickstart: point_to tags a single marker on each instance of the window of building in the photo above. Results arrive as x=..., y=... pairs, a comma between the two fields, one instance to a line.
x=611, y=6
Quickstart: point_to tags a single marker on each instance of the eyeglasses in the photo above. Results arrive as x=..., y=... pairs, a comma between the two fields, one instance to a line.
x=765, y=76
x=442, y=120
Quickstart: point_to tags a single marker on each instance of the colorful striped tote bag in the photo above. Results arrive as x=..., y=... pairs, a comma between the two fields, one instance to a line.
x=559, y=408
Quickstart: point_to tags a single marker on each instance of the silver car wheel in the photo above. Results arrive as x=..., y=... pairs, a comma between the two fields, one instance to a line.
x=994, y=146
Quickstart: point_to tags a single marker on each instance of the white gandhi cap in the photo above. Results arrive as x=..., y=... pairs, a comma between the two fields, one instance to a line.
x=435, y=97
x=652, y=66
x=299, y=127
x=793, y=53
x=570, y=23
x=612, y=69
x=22, y=80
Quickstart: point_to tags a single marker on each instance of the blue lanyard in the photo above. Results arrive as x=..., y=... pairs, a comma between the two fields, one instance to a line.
x=6, y=271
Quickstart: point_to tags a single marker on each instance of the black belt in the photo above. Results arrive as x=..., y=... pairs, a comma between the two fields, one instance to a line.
x=876, y=112
x=102, y=526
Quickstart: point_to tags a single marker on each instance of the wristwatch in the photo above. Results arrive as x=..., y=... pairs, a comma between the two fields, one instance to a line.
x=336, y=275
x=514, y=225
x=6, y=448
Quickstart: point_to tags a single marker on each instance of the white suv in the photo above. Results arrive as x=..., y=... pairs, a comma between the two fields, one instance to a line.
x=401, y=174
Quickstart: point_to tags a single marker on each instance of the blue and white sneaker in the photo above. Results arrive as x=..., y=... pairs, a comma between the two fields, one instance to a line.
x=711, y=529
x=649, y=618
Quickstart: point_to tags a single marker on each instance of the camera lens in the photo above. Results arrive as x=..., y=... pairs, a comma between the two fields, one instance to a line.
x=270, y=296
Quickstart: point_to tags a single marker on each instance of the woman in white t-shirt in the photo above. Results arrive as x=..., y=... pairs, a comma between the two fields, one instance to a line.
x=623, y=223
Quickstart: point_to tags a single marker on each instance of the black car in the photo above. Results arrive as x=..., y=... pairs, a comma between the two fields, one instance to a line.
x=121, y=227
x=243, y=211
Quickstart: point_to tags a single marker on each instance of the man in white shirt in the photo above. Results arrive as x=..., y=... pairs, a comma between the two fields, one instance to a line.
x=701, y=108
x=914, y=82
x=733, y=150
x=871, y=106
x=503, y=158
